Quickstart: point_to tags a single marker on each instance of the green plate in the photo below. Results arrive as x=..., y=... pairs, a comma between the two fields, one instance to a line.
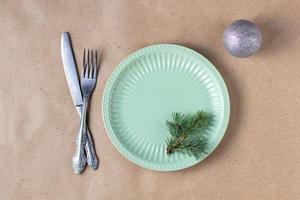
x=146, y=88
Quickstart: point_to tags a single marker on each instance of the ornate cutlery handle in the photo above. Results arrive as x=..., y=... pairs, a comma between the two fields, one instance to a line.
x=79, y=159
x=92, y=159
x=91, y=155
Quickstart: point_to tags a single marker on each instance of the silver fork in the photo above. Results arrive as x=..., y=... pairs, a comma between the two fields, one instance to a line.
x=88, y=82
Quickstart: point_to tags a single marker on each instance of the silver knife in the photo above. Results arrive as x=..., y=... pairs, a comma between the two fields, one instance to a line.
x=73, y=83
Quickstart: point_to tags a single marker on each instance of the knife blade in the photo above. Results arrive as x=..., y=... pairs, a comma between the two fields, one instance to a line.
x=70, y=69
x=73, y=83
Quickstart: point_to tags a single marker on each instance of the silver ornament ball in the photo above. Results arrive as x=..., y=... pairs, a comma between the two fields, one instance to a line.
x=242, y=38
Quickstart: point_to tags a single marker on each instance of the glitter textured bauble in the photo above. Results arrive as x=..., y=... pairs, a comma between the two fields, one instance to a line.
x=242, y=38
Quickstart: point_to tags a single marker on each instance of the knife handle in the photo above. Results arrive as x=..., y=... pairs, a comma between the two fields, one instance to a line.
x=92, y=159
x=79, y=159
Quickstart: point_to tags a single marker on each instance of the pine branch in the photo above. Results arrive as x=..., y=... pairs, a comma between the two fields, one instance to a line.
x=185, y=134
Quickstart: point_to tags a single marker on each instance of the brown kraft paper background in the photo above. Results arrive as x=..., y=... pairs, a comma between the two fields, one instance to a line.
x=259, y=157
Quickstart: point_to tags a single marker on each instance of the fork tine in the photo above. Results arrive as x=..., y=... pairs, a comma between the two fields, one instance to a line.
x=83, y=64
x=98, y=62
x=95, y=65
x=83, y=71
x=91, y=64
x=87, y=64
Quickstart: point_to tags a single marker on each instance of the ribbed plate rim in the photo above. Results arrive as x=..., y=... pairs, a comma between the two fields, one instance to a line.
x=108, y=89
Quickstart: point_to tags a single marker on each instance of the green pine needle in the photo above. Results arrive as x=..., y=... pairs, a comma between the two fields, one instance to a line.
x=186, y=135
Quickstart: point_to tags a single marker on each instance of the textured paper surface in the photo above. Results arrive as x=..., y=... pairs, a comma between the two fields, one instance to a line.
x=259, y=157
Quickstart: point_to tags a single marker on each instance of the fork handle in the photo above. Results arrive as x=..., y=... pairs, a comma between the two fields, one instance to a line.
x=79, y=158
x=92, y=159
x=91, y=156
